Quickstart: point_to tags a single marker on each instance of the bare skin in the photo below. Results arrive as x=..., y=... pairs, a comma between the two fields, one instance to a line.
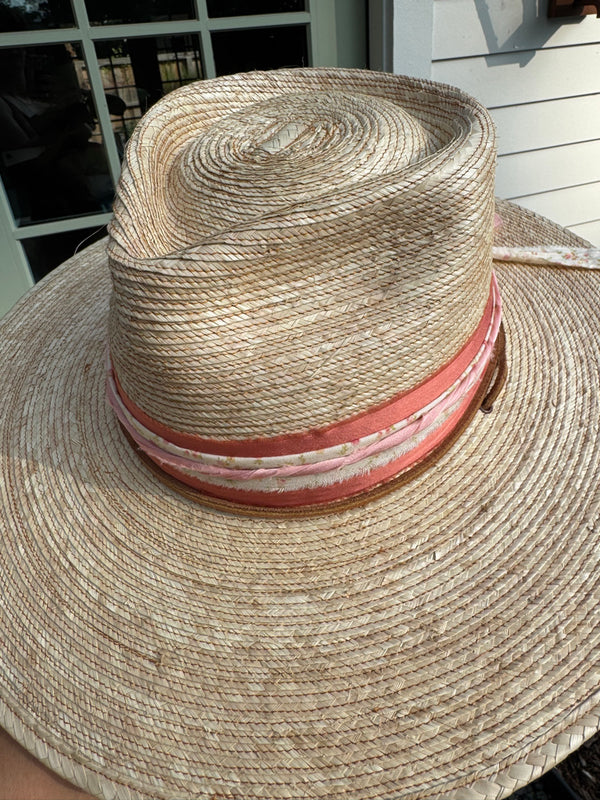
x=22, y=777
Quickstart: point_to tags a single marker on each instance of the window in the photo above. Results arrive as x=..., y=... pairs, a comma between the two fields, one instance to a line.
x=76, y=77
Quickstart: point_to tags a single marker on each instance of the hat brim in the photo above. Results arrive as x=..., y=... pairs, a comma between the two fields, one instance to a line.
x=441, y=641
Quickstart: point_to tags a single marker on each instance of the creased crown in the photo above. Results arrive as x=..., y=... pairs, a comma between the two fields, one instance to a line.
x=292, y=248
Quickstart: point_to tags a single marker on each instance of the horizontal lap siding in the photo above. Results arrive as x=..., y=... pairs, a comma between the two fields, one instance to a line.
x=547, y=124
x=570, y=206
x=549, y=169
x=589, y=230
x=525, y=76
x=541, y=82
x=475, y=28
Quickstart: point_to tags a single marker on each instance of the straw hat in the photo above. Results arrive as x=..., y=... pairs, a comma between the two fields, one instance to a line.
x=289, y=558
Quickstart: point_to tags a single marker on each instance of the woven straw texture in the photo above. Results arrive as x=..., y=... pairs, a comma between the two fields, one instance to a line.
x=280, y=246
x=437, y=643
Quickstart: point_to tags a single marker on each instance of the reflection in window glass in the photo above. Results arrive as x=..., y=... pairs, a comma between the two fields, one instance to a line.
x=137, y=72
x=52, y=160
x=230, y=8
x=260, y=48
x=47, y=252
x=116, y=12
x=18, y=15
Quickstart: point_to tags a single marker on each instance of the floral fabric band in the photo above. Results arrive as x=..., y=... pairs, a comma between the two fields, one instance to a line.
x=413, y=425
x=578, y=257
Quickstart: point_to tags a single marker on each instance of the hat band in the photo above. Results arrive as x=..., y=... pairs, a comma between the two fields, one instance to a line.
x=415, y=423
x=575, y=257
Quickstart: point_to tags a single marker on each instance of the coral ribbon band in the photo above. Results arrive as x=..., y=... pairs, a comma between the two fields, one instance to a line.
x=321, y=466
x=364, y=424
x=298, y=498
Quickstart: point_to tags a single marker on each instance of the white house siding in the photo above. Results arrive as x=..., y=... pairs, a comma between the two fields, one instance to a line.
x=540, y=79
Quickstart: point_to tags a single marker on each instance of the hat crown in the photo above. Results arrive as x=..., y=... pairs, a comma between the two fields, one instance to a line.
x=290, y=249
x=281, y=151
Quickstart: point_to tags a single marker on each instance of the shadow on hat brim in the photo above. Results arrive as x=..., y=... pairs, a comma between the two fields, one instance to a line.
x=438, y=642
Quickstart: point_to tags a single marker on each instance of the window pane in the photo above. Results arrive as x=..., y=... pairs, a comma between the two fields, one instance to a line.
x=47, y=252
x=52, y=159
x=137, y=72
x=230, y=8
x=16, y=15
x=260, y=48
x=116, y=12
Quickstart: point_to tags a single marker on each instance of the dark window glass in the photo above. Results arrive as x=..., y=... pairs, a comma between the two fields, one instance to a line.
x=137, y=72
x=35, y=14
x=260, y=48
x=116, y=12
x=231, y=8
x=47, y=252
x=52, y=159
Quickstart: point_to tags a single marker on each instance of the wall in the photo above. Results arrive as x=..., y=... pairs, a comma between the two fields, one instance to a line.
x=540, y=79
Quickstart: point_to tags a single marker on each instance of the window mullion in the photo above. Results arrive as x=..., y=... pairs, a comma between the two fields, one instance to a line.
x=322, y=33
x=26, y=38
x=15, y=274
x=208, y=59
x=131, y=30
x=260, y=21
x=63, y=225
x=97, y=87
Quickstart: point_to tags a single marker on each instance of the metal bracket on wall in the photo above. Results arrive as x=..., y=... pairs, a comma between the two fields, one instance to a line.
x=573, y=8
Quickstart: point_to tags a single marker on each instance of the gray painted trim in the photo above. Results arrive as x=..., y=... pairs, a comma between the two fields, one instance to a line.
x=264, y=20
x=62, y=225
x=412, y=36
x=401, y=36
x=15, y=275
x=131, y=30
x=95, y=79
x=381, y=19
x=208, y=59
x=322, y=35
